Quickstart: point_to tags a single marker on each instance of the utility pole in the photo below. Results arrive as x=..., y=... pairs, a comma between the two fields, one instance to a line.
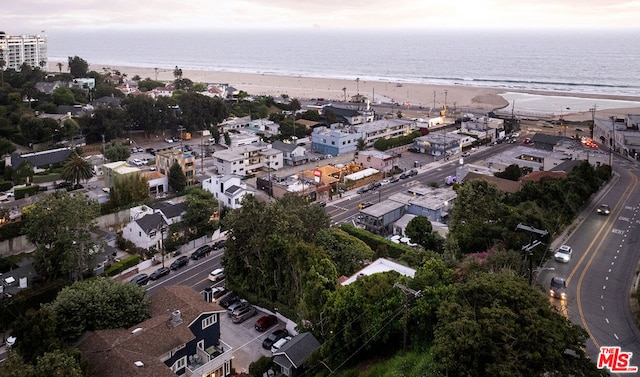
x=612, y=141
x=409, y=293
x=531, y=245
x=593, y=120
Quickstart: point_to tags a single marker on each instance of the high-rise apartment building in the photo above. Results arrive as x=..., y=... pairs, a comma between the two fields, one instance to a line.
x=18, y=49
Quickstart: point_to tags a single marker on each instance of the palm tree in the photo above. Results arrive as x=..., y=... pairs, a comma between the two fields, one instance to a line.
x=76, y=169
x=59, y=65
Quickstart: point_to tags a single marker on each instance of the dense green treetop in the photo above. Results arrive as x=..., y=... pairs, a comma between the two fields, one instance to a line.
x=176, y=177
x=497, y=325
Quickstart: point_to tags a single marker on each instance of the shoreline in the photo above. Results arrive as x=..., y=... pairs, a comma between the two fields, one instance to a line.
x=429, y=96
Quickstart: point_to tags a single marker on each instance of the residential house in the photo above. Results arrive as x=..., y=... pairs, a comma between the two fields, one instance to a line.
x=292, y=356
x=48, y=87
x=342, y=115
x=171, y=212
x=377, y=160
x=380, y=265
x=39, y=160
x=385, y=129
x=107, y=101
x=181, y=337
x=440, y=143
x=264, y=126
x=292, y=153
x=234, y=123
x=227, y=189
x=146, y=231
x=242, y=137
x=165, y=159
x=158, y=183
x=84, y=83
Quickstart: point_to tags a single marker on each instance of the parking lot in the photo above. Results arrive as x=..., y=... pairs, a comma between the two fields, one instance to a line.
x=245, y=340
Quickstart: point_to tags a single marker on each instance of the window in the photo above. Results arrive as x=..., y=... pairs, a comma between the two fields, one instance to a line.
x=209, y=321
x=179, y=364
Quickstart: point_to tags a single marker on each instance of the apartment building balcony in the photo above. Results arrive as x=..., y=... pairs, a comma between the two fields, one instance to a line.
x=209, y=360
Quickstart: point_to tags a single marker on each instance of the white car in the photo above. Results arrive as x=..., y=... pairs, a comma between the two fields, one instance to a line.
x=277, y=345
x=168, y=141
x=384, y=182
x=563, y=254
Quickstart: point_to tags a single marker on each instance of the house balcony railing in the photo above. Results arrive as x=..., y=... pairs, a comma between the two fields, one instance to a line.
x=208, y=360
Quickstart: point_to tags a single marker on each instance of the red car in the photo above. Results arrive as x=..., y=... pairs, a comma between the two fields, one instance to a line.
x=265, y=322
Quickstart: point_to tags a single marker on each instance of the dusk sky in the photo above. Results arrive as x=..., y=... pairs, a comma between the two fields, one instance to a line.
x=32, y=16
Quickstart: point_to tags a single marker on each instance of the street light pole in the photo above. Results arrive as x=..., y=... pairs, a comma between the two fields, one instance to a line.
x=162, y=249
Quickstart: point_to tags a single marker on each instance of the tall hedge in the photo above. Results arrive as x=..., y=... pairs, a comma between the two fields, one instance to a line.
x=22, y=192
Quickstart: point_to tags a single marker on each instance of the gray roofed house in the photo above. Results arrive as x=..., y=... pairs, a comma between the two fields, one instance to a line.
x=544, y=141
x=292, y=154
x=48, y=87
x=107, y=101
x=294, y=353
x=346, y=116
x=171, y=212
x=42, y=158
x=146, y=232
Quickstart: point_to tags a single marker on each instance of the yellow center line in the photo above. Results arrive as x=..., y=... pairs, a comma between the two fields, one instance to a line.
x=627, y=193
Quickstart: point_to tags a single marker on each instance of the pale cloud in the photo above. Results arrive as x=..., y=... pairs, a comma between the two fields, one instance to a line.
x=29, y=16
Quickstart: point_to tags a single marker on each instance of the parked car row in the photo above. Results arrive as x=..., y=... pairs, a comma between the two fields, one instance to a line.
x=409, y=174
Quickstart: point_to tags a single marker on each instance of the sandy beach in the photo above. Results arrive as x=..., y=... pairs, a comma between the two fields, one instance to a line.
x=570, y=106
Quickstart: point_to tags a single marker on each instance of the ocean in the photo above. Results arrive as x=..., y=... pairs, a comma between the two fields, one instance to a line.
x=572, y=61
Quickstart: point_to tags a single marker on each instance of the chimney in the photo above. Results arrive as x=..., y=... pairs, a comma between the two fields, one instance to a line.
x=176, y=318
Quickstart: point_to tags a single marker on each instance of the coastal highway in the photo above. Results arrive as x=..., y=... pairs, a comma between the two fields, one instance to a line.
x=602, y=272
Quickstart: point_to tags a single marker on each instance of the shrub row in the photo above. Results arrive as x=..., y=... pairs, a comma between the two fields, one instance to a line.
x=122, y=265
x=380, y=245
x=6, y=185
x=22, y=192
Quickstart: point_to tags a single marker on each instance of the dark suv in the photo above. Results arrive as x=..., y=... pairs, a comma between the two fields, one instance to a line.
x=180, y=262
x=558, y=288
x=200, y=252
x=142, y=279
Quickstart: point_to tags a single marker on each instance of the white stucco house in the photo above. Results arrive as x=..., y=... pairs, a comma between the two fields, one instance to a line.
x=227, y=189
x=146, y=231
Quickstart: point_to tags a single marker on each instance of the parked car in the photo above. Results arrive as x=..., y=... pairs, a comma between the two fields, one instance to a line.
x=243, y=314
x=384, y=182
x=236, y=305
x=604, y=209
x=412, y=172
x=228, y=299
x=220, y=244
x=563, y=254
x=277, y=345
x=218, y=292
x=264, y=322
x=362, y=190
x=466, y=154
x=150, y=150
x=180, y=262
x=160, y=272
x=558, y=288
x=141, y=279
x=394, y=179
x=374, y=185
x=404, y=175
x=321, y=204
x=168, y=141
x=268, y=342
x=217, y=274
x=200, y=252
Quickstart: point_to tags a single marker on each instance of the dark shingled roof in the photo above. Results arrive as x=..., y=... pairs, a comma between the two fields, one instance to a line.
x=285, y=147
x=296, y=351
x=43, y=158
x=150, y=222
x=170, y=210
x=112, y=353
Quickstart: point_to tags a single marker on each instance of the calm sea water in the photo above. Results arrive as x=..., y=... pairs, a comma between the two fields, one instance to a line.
x=568, y=61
